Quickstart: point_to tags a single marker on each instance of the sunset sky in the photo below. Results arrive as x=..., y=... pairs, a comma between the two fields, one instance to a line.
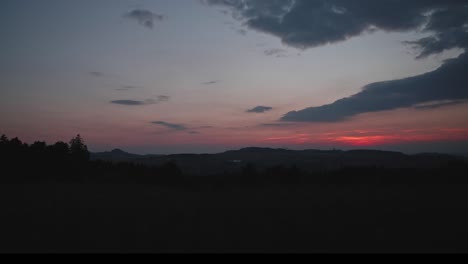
x=171, y=76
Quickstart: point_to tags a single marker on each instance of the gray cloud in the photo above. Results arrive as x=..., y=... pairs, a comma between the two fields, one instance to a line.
x=260, y=109
x=438, y=104
x=210, y=82
x=243, y=32
x=127, y=88
x=448, y=82
x=203, y=127
x=275, y=52
x=160, y=99
x=144, y=17
x=163, y=98
x=178, y=127
x=277, y=124
x=311, y=23
x=134, y=102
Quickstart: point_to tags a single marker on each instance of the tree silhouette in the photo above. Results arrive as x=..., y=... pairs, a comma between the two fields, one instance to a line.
x=78, y=150
x=62, y=148
x=38, y=147
x=3, y=139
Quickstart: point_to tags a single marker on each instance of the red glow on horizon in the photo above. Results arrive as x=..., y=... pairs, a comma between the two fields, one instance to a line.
x=369, y=138
x=365, y=141
x=405, y=136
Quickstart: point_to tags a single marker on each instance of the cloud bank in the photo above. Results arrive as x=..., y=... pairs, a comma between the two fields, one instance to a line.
x=449, y=82
x=310, y=23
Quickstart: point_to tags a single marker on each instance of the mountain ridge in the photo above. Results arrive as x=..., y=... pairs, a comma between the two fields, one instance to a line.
x=262, y=158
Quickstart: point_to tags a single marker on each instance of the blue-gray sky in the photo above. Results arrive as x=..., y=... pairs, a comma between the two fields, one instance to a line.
x=200, y=76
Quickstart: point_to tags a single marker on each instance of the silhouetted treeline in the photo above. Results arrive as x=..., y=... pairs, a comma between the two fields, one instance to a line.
x=39, y=161
x=70, y=162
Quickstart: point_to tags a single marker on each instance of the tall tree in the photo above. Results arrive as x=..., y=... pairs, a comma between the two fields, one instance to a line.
x=78, y=150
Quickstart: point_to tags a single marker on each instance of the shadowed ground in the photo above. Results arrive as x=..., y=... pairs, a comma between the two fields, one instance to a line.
x=273, y=218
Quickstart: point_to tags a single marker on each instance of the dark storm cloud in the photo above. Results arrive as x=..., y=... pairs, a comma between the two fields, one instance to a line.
x=172, y=126
x=448, y=82
x=144, y=17
x=259, y=109
x=134, y=102
x=450, y=30
x=311, y=23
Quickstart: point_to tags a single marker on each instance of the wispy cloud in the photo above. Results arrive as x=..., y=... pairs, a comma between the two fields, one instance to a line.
x=134, y=102
x=128, y=88
x=438, y=104
x=260, y=109
x=178, y=127
x=277, y=124
x=276, y=52
x=203, y=127
x=159, y=99
x=243, y=32
x=96, y=73
x=144, y=17
x=163, y=98
x=210, y=82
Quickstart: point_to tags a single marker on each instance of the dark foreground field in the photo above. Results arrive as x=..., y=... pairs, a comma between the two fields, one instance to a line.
x=272, y=218
x=54, y=199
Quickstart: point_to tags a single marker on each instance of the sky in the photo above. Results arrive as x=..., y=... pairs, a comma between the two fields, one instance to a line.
x=204, y=76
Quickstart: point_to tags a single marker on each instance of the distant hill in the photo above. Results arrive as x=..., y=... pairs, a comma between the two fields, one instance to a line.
x=115, y=155
x=235, y=160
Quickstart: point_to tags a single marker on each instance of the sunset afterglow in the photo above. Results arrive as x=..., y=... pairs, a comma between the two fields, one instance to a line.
x=205, y=76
